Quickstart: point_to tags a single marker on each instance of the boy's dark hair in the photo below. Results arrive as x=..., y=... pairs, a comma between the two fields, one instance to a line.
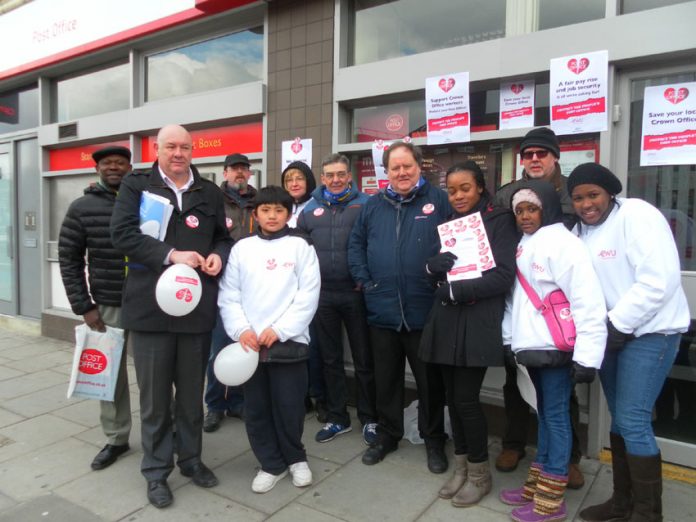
x=273, y=195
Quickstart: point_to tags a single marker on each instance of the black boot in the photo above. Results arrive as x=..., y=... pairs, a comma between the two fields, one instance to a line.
x=618, y=507
x=646, y=483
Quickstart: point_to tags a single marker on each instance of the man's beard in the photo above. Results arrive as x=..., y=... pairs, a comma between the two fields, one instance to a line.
x=240, y=186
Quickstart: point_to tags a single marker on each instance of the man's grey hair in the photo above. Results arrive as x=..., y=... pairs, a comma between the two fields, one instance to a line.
x=335, y=158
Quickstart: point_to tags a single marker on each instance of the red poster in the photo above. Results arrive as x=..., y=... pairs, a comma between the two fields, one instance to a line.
x=77, y=157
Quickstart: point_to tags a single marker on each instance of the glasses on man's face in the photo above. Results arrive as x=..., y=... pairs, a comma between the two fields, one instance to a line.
x=529, y=154
x=335, y=175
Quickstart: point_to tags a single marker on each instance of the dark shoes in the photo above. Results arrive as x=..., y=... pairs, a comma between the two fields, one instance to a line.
x=576, y=479
x=159, y=494
x=508, y=460
x=212, y=421
x=201, y=475
x=237, y=413
x=108, y=455
x=437, y=460
x=376, y=453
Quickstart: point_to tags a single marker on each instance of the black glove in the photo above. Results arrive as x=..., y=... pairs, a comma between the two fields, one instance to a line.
x=441, y=263
x=509, y=356
x=616, y=340
x=442, y=292
x=580, y=373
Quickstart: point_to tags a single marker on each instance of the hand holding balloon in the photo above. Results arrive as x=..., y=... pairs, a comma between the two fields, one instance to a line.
x=187, y=257
x=234, y=365
x=212, y=265
x=268, y=337
x=248, y=339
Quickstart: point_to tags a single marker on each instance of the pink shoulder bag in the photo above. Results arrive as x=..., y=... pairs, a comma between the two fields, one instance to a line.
x=555, y=309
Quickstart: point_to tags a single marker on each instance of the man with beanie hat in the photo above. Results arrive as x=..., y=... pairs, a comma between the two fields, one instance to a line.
x=85, y=229
x=540, y=152
x=224, y=400
x=328, y=219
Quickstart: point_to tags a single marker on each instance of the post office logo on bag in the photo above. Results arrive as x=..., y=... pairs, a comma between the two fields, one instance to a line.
x=428, y=208
x=566, y=314
x=92, y=361
x=192, y=221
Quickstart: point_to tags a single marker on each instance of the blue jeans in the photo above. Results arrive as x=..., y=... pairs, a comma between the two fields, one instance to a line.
x=554, y=435
x=632, y=379
x=219, y=397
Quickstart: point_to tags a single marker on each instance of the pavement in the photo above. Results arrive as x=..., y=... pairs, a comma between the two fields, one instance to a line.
x=48, y=441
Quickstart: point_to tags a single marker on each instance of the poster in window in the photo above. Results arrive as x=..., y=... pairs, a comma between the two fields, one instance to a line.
x=517, y=104
x=9, y=108
x=447, y=108
x=578, y=93
x=669, y=125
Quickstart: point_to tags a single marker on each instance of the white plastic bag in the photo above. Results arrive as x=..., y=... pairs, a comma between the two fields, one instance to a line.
x=95, y=363
x=411, y=432
x=526, y=386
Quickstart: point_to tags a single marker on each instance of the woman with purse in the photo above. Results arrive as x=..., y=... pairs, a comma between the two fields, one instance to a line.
x=550, y=258
x=462, y=336
x=635, y=257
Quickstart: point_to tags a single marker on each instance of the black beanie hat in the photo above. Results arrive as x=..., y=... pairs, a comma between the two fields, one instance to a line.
x=542, y=137
x=594, y=174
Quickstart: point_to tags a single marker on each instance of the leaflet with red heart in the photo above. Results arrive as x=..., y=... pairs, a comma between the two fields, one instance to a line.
x=467, y=239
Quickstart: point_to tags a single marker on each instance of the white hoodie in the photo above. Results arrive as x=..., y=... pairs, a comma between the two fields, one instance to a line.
x=270, y=283
x=550, y=259
x=635, y=257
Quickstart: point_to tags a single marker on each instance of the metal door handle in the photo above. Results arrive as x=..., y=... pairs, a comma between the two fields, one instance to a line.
x=10, y=242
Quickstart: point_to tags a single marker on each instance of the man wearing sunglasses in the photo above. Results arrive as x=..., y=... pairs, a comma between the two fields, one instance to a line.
x=540, y=152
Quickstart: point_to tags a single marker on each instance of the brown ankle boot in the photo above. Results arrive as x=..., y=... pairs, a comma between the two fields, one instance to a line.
x=457, y=480
x=646, y=483
x=618, y=507
x=478, y=484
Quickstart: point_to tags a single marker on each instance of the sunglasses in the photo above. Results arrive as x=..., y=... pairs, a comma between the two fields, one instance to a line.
x=540, y=154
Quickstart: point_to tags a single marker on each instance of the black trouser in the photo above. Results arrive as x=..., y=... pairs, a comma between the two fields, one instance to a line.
x=337, y=308
x=162, y=361
x=274, y=414
x=469, y=426
x=517, y=417
x=390, y=350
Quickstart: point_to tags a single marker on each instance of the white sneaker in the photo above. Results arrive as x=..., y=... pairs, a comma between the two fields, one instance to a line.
x=301, y=474
x=264, y=482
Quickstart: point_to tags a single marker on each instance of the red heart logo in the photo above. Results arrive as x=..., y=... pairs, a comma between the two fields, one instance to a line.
x=296, y=147
x=446, y=84
x=577, y=66
x=676, y=96
x=517, y=88
x=184, y=295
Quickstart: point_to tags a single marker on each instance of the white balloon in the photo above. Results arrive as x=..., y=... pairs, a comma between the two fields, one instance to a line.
x=178, y=290
x=234, y=366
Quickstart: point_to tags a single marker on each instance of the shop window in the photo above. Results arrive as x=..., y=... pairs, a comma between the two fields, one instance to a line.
x=387, y=29
x=95, y=92
x=19, y=110
x=225, y=61
x=671, y=188
x=396, y=120
x=557, y=13
x=633, y=6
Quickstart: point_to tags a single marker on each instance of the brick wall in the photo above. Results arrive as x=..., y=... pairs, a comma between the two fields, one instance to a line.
x=300, y=78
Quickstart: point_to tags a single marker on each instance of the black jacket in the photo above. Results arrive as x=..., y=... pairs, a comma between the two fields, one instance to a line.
x=329, y=225
x=86, y=228
x=146, y=255
x=469, y=332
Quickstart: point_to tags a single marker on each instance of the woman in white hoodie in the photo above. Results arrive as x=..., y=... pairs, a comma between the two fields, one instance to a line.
x=635, y=257
x=549, y=257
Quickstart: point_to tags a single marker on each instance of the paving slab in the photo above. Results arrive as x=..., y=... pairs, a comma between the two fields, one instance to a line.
x=29, y=383
x=8, y=373
x=31, y=434
x=40, y=401
x=81, y=411
x=96, y=437
x=236, y=476
x=194, y=503
x=443, y=511
x=119, y=490
x=45, y=469
x=43, y=361
x=225, y=444
x=342, y=449
x=26, y=351
x=380, y=492
x=294, y=512
x=48, y=507
x=8, y=418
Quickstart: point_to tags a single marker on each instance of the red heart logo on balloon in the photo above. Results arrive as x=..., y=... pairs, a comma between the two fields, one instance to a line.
x=296, y=146
x=446, y=84
x=184, y=295
x=517, y=88
x=676, y=96
x=577, y=66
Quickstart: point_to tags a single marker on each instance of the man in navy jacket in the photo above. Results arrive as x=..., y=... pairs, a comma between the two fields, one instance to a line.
x=392, y=239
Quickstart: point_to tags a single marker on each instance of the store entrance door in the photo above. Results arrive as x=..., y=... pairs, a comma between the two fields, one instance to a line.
x=7, y=234
x=670, y=188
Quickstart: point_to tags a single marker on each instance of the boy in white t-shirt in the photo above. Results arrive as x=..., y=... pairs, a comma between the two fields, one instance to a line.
x=268, y=296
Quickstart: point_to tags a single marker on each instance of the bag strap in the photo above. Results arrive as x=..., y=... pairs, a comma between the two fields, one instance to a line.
x=533, y=297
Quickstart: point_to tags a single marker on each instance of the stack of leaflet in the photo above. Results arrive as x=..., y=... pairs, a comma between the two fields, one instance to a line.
x=155, y=212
